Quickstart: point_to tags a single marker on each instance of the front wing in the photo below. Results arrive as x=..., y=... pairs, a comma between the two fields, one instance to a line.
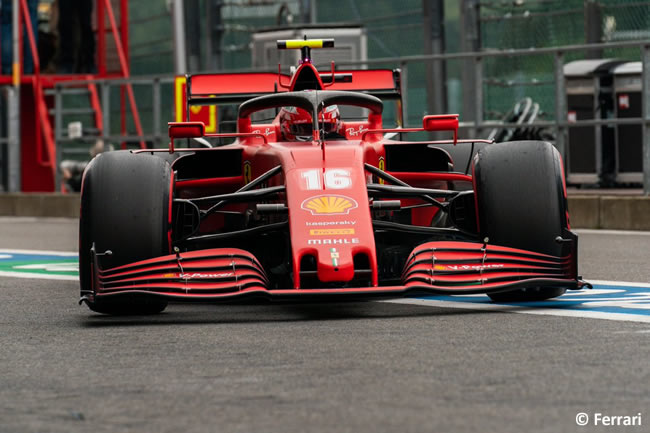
x=450, y=268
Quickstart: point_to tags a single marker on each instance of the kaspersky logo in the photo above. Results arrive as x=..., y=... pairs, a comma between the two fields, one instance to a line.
x=329, y=205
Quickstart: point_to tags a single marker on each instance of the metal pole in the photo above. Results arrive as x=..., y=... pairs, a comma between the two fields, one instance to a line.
x=106, y=111
x=434, y=43
x=560, y=109
x=593, y=27
x=645, y=58
x=13, y=134
x=478, y=95
x=13, y=98
x=180, y=63
x=214, y=60
x=470, y=41
x=405, y=92
x=156, y=112
x=15, y=30
x=58, y=116
x=312, y=11
x=193, y=36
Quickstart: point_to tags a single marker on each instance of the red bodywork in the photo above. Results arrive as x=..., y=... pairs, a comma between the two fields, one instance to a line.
x=331, y=223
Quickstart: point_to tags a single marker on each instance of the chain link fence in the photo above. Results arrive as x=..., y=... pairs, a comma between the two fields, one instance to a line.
x=549, y=23
x=395, y=29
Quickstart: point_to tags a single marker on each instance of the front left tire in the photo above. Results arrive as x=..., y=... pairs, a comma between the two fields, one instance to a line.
x=125, y=205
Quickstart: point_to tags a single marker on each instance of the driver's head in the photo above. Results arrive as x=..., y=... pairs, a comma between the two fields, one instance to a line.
x=296, y=124
x=330, y=120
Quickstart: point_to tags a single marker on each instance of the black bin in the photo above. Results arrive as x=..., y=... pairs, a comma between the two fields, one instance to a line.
x=591, y=149
x=629, y=138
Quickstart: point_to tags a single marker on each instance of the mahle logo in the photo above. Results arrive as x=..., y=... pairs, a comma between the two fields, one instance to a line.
x=329, y=205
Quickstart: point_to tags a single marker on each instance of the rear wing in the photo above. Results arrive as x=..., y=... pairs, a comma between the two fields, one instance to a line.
x=230, y=88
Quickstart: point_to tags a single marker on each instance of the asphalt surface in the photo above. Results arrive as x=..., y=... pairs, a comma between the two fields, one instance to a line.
x=357, y=367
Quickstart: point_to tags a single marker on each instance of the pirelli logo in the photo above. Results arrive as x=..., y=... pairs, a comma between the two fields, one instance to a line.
x=330, y=232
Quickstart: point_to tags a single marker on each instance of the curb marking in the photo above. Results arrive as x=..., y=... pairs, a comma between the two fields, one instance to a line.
x=609, y=300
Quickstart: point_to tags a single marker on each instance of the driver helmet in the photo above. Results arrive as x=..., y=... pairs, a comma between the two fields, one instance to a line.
x=296, y=125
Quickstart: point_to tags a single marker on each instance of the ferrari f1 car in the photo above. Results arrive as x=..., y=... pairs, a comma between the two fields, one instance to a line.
x=345, y=213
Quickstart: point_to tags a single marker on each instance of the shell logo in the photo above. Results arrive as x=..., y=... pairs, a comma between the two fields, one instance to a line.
x=329, y=205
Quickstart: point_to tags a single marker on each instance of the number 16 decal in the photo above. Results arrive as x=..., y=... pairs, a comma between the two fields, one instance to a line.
x=335, y=178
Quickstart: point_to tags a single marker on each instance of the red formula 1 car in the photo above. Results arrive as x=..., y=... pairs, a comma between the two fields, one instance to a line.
x=311, y=202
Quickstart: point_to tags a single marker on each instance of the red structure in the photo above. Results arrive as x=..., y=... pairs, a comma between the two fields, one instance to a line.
x=38, y=148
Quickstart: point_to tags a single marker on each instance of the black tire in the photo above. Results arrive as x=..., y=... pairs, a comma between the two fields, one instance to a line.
x=521, y=203
x=125, y=200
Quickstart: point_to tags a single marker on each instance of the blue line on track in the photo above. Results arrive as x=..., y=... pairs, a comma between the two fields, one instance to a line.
x=603, y=298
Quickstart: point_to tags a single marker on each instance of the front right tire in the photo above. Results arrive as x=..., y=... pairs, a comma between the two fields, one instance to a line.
x=521, y=203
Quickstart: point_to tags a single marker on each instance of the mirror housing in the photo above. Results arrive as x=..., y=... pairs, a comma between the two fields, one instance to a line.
x=441, y=122
x=186, y=130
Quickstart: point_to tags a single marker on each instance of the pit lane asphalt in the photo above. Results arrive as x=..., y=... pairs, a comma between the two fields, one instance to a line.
x=355, y=367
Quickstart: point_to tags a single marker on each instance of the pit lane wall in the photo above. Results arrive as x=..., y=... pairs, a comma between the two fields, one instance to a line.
x=592, y=211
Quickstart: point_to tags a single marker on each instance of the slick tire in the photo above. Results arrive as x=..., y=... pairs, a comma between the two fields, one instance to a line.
x=125, y=204
x=521, y=203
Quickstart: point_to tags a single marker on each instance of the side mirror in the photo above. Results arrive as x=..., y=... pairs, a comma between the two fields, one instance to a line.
x=441, y=122
x=186, y=130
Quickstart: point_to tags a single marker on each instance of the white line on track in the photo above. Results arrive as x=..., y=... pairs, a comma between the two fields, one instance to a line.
x=546, y=311
x=618, y=283
x=39, y=252
x=31, y=275
x=523, y=310
x=612, y=232
x=33, y=219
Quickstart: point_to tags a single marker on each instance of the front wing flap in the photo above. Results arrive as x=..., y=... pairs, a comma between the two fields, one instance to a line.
x=466, y=267
x=435, y=267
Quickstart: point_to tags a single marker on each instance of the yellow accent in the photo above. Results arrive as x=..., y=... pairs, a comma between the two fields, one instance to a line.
x=329, y=205
x=169, y=275
x=326, y=232
x=299, y=43
x=16, y=74
x=44, y=8
x=211, y=127
x=382, y=167
x=179, y=98
x=247, y=172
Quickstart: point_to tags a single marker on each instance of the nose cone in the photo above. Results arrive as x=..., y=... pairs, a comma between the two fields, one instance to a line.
x=329, y=215
x=336, y=262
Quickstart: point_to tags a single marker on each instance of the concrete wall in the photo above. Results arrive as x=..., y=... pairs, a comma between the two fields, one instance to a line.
x=40, y=205
x=610, y=212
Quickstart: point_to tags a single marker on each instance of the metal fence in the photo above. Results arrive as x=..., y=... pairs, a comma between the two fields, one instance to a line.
x=475, y=61
x=551, y=23
x=155, y=107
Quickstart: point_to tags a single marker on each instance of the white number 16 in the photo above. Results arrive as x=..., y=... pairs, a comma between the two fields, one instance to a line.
x=335, y=178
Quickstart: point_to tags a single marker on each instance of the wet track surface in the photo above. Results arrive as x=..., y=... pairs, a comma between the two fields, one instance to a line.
x=373, y=366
